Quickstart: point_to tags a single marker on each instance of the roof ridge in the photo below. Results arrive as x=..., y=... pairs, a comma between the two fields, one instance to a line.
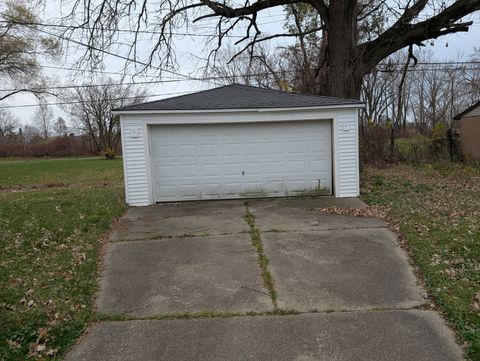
x=467, y=110
x=240, y=96
x=293, y=93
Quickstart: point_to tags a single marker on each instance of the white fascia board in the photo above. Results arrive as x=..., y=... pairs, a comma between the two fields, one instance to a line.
x=255, y=110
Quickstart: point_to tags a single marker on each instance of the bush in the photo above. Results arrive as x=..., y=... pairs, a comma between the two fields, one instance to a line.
x=439, y=140
x=374, y=140
x=57, y=147
x=415, y=150
x=110, y=153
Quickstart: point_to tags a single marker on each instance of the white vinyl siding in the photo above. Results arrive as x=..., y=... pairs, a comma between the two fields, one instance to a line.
x=135, y=164
x=347, y=162
x=139, y=163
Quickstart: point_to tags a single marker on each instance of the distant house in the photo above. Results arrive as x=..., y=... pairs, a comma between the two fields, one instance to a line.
x=469, y=131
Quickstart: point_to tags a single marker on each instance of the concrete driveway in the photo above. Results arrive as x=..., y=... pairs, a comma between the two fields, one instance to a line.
x=268, y=280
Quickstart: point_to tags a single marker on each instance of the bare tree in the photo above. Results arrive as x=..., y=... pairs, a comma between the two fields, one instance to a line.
x=91, y=111
x=21, y=46
x=348, y=57
x=60, y=127
x=8, y=124
x=472, y=77
x=31, y=134
x=43, y=120
x=266, y=69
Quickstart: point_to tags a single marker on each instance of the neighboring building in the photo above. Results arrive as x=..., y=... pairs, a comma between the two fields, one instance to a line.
x=239, y=141
x=468, y=128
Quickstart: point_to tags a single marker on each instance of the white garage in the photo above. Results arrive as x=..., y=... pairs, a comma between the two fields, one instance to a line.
x=239, y=142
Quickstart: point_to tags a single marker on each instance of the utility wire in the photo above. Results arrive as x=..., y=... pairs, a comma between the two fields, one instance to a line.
x=101, y=85
x=74, y=27
x=146, y=65
x=206, y=79
x=120, y=30
x=152, y=95
x=80, y=102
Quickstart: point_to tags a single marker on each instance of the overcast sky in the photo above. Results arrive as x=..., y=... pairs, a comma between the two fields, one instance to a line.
x=189, y=50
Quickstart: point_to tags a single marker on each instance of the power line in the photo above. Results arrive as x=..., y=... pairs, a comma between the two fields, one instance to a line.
x=106, y=84
x=179, y=74
x=73, y=27
x=169, y=71
x=131, y=31
x=148, y=82
x=434, y=63
x=100, y=71
x=178, y=93
x=146, y=65
x=79, y=102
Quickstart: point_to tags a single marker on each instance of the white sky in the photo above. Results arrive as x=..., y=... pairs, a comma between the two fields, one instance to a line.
x=460, y=47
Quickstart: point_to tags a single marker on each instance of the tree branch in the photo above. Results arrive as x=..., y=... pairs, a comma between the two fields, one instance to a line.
x=256, y=41
x=402, y=33
x=37, y=93
x=221, y=9
x=322, y=9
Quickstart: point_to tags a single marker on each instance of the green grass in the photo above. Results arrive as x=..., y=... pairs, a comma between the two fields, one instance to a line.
x=262, y=258
x=438, y=210
x=50, y=240
x=44, y=173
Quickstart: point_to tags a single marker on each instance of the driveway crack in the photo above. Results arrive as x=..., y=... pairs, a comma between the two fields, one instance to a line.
x=262, y=257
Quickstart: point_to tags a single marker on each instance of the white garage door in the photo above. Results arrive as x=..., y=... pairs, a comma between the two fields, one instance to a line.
x=214, y=161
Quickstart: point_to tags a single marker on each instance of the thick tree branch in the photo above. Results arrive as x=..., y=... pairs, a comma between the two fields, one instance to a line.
x=322, y=9
x=221, y=9
x=402, y=33
x=37, y=93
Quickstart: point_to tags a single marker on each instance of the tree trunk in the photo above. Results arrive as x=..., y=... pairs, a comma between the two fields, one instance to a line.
x=345, y=71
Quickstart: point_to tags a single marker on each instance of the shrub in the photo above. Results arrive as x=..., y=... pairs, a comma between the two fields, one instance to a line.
x=415, y=149
x=374, y=140
x=57, y=147
x=110, y=153
x=438, y=140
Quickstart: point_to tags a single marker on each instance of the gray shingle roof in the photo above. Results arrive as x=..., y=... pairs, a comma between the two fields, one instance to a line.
x=238, y=96
x=468, y=110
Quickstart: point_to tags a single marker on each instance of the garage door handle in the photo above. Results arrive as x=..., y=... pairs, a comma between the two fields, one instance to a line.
x=243, y=172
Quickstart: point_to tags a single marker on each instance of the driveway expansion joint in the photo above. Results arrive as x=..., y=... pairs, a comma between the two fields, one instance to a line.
x=262, y=258
x=103, y=317
x=169, y=237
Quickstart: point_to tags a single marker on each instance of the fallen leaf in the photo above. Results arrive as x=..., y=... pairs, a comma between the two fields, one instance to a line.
x=13, y=343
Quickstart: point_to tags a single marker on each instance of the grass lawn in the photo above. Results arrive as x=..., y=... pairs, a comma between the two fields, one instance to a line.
x=50, y=235
x=53, y=214
x=438, y=210
x=71, y=172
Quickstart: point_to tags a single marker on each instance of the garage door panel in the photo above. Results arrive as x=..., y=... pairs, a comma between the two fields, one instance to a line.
x=238, y=160
x=231, y=149
x=210, y=170
x=209, y=150
x=275, y=148
x=317, y=146
x=254, y=148
x=188, y=171
x=166, y=171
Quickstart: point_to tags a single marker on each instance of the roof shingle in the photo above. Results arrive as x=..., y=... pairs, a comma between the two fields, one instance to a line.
x=238, y=96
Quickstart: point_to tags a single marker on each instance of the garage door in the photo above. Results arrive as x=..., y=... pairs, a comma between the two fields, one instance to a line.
x=215, y=161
